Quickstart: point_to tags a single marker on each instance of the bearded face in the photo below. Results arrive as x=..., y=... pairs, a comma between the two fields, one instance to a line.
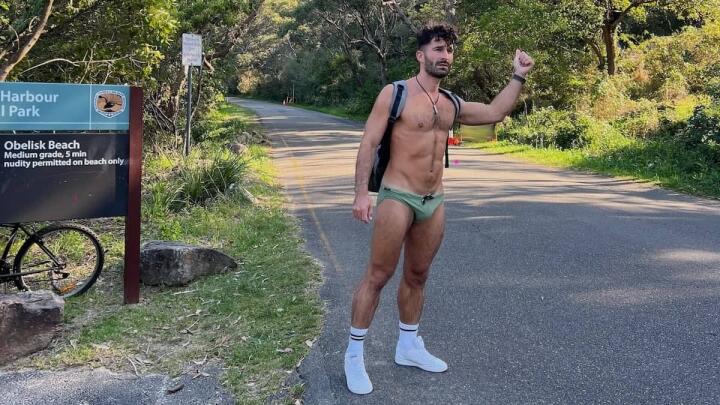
x=438, y=69
x=436, y=58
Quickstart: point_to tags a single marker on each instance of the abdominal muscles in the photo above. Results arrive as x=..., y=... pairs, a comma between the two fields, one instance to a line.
x=416, y=162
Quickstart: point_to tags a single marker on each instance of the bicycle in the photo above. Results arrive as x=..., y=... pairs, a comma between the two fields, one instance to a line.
x=64, y=257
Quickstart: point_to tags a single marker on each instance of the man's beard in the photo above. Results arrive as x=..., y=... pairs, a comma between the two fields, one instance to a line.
x=436, y=72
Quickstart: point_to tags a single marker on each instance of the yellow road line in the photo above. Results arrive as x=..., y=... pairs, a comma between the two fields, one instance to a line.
x=323, y=237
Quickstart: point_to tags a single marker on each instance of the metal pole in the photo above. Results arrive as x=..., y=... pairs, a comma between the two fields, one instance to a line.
x=189, y=111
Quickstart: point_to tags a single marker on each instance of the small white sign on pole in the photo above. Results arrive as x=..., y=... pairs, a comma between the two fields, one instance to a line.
x=191, y=50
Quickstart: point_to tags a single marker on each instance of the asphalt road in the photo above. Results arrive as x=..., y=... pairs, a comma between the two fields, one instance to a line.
x=103, y=387
x=552, y=286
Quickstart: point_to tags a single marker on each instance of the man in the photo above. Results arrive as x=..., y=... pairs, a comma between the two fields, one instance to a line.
x=410, y=201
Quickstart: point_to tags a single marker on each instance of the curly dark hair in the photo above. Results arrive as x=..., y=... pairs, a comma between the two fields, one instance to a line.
x=436, y=30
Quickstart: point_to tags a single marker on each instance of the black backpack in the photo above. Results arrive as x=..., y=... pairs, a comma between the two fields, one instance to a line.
x=382, y=153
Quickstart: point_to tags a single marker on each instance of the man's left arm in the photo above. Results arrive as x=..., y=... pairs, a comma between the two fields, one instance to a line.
x=503, y=103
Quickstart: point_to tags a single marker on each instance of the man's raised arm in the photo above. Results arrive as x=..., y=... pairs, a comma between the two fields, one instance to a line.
x=374, y=130
x=503, y=103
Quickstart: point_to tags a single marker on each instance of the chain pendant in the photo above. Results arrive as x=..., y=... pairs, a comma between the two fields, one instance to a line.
x=435, y=121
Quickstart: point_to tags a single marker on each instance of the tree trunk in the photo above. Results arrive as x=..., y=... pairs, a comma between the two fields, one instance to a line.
x=399, y=11
x=383, y=70
x=598, y=53
x=23, y=50
x=354, y=68
x=608, y=35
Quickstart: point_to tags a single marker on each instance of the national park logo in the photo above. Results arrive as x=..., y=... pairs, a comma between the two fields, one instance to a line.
x=109, y=103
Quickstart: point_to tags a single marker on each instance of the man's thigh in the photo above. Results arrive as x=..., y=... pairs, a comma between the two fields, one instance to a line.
x=423, y=240
x=392, y=220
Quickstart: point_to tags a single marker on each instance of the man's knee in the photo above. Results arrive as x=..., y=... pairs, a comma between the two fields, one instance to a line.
x=415, y=277
x=378, y=276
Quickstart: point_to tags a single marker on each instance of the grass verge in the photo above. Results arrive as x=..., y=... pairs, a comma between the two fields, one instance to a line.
x=257, y=322
x=336, y=111
x=661, y=164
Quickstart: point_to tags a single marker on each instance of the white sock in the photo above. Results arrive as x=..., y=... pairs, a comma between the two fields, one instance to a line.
x=358, y=381
x=355, y=343
x=408, y=334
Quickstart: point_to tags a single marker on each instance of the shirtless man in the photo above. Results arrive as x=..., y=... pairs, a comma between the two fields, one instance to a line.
x=410, y=202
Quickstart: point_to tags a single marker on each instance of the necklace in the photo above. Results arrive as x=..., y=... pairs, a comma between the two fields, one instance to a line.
x=434, y=103
x=435, y=116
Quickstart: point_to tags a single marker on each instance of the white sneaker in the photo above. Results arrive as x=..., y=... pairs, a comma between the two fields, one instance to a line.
x=417, y=356
x=358, y=381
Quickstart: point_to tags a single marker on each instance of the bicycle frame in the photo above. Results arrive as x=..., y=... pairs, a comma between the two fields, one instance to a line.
x=6, y=266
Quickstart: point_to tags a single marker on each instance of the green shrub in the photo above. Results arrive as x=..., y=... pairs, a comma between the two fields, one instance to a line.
x=712, y=85
x=363, y=100
x=670, y=67
x=673, y=87
x=218, y=132
x=160, y=198
x=550, y=128
x=684, y=108
x=703, y=131
x=604, y=138
x=155, y=164
x=573, y=132
x=193, y=188
x=666, y=121
x=609, y=97
x=192, y=180
x=532, y=129
x=206, y=180
x=669, y=129
x=200, y=128
x=642, y=123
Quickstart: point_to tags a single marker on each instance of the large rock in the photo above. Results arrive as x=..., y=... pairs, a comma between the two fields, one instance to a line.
x=174, y=263
x=238, y=148
x=252, y=137
x=28, y=322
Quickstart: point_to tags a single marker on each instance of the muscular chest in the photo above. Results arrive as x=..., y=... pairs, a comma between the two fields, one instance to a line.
x=420, y=115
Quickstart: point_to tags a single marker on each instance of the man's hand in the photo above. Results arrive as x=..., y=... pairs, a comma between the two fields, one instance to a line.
x=362, y=208
x=523, y=63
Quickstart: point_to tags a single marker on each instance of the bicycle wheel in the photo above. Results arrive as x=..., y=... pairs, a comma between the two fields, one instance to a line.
x=65, y=258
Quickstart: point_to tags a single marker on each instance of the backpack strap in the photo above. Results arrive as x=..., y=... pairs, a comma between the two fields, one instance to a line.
x=455, y=99
x=399, y=97
x=382, y=152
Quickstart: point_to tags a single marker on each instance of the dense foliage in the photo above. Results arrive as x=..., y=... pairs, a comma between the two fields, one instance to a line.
x=137, y=43
x=343, y=51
